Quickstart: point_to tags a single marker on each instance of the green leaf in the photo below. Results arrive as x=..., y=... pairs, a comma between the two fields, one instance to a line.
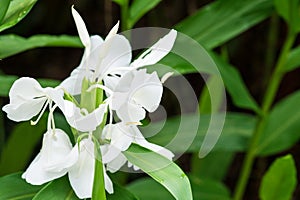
x=235, y=85
x=138, y=8
x=121, y=193
x=289, y=10
x=57, y=189
x=222, y=20
x=203, y=189
x=160, y=169
x=3, y=8
x=176, y=132
x=282, y=126
x=280, y=180
x=13, y=44
x=20, y=146
x=13, y=187
x=61, y=189
x=16, y=11
x=121, y=2
x=293, y=60
x=6, y=82
x=198, y=60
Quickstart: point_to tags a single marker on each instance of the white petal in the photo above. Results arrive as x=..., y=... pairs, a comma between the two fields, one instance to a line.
x=140, y=140
x=108, y=184
x=51, y=163
x=149, y=94
x=73, y=83
x=82, y=31
x=159, y=50
x=131, y=113
x=26, y=99
x=113, y=31
x=115, y=52
x=81, y=175
x=120, y=140
x=117, y=163
x=84, y=123
x=24, y=111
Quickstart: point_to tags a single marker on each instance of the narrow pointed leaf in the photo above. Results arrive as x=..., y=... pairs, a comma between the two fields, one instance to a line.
x=235, y=134
x=139, y=8
x=282, y=128
x=15, y=188
x=16, y=11
x=57, y=189
x=222, y=20
x=203, y=189
x=3, y=8
x=61, y=189
x=13, y=44
x=162, y=170
x=280, y=180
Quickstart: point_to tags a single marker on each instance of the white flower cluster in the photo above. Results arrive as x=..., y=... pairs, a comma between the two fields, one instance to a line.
x=130, y=92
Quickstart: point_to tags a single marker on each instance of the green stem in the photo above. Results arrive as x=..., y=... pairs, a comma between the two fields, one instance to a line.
x=98, y=185
x=90, y=101
x=272, y=88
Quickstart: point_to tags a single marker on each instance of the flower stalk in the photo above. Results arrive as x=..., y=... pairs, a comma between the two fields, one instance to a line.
x=90, y=100
x=268, y=100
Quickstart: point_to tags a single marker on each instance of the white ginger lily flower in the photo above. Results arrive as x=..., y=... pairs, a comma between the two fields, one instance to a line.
x=28, y=99
x=100, y=57
x=121, y=136
x=136, y=92
x=57, y=158
x=54, y=159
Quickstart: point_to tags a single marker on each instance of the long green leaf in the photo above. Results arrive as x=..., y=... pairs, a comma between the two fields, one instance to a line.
x=235, y=134
x=222, y=20
x=162, y=170
x=57, y=189
x=16, y=11
x=6, y=82
x=138, y=8
x=198, y=60
x=13, y=44
x=204, y=189
x=283, y=125
x=280, y=180
x=3, y=8
x=235, y=85
x=13, y=187
x=19, y=147
x=61, y=189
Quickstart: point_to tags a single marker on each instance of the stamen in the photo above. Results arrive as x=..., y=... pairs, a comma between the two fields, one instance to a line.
x=33, y=123
x=106, y=89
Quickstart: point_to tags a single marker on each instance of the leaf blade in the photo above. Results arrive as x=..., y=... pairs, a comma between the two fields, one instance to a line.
x=13, y=44
x=16, y=11
x=168, y=173
x=280, y=180
x=14, y=187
